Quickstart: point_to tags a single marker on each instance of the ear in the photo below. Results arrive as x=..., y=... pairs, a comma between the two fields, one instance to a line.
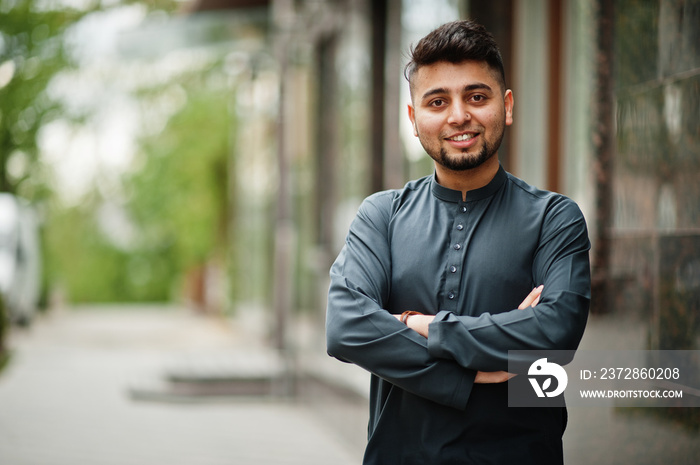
x=508, y=98
x=412, y=117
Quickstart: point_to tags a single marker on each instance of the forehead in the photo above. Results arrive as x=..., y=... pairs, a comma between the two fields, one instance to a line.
x=452, y=76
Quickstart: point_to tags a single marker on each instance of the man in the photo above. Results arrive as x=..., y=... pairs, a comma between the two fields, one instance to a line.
x=427, y=293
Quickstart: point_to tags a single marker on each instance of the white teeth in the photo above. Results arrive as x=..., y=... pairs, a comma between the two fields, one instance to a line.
x=462, y=137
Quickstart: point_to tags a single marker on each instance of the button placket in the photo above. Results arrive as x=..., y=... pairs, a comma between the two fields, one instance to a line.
x=455, y=258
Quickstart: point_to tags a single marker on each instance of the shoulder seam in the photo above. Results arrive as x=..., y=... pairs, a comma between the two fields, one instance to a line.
x=536, y=191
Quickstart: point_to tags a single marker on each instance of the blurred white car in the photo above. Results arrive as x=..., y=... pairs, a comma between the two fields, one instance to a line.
x=20, y=259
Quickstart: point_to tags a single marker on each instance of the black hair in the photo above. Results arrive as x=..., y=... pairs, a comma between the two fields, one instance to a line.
x=456, y=42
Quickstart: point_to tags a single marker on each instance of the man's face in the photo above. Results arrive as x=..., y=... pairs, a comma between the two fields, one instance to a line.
x=459, y=112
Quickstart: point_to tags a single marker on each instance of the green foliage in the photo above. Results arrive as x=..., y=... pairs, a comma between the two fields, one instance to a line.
x=91, y=269
x=32, y=52
x=178, y=198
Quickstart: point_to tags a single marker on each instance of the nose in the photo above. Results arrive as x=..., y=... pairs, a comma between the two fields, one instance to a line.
x=459, y=114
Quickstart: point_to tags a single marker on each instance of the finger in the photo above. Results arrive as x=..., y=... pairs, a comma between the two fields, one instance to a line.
x=533, y=296
x=528, y=299
x=492, y=377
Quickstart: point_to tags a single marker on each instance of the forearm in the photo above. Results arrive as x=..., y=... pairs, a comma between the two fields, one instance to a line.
x=483, y=342
x=421, y=324
x=359, y=331
x=480, y=337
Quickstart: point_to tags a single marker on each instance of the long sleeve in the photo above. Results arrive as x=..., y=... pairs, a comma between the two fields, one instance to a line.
x=561, y=263
x=467, y=260
x=360, y=330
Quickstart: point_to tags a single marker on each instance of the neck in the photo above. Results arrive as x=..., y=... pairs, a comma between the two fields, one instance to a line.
x=467, y=180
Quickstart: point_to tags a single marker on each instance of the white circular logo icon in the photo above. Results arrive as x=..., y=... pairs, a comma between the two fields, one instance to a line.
x=542, y=369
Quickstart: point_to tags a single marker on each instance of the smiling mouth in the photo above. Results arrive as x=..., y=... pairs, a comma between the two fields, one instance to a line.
x=462, y=137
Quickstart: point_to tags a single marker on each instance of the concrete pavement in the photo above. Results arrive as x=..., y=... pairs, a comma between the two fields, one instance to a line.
x=81, y=388
x=66, y=397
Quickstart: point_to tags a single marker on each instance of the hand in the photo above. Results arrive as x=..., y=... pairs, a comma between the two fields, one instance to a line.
x=491, y=377
x=418, y=323
x=532, y=298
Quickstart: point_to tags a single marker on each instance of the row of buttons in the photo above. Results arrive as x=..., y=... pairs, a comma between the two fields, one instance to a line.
x=457, y=246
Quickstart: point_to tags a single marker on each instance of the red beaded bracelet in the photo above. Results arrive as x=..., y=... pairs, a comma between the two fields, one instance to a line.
x=406, y=314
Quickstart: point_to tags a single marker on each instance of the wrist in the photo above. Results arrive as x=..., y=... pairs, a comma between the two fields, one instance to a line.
x=406, y=315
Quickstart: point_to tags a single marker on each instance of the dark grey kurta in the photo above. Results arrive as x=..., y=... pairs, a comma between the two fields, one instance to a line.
x=471, y=263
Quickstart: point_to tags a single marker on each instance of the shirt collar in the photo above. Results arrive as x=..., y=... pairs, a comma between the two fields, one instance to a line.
x=450, y=195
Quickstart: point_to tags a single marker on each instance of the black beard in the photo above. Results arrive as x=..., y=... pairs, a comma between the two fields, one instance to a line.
x=464, y=163
x=467, y=162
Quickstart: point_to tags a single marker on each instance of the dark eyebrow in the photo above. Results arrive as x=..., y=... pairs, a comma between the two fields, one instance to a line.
x=431, y=92
x=469, y=88
x=478, y=86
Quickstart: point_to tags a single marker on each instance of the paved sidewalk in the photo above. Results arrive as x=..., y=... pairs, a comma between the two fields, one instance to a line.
x=65, y=398
x=68, y=398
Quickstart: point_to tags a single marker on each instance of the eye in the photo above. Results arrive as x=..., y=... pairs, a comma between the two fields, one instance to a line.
x=478, y=98
x=438, y=102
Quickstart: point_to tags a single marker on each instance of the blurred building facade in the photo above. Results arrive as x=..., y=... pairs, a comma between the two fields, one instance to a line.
x=606, y=112
x=607, y=99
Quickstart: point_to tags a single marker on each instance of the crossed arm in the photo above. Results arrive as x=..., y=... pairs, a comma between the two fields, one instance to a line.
x=421, y=324
x=443, y=367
